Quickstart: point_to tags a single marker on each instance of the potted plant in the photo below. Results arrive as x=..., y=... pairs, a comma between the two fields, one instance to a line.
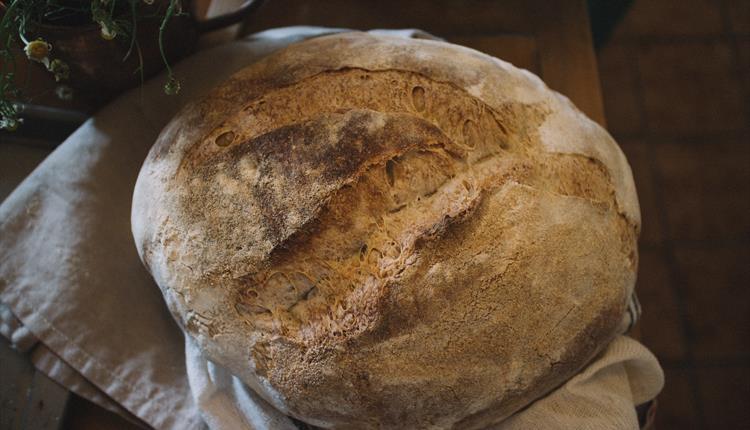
x=94, y=49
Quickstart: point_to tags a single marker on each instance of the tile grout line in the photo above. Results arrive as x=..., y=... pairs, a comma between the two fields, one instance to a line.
x=667, y=247
x=675, y=39
x=690, y=138
x=675, y=280
x=735, y=362
x=737, y=68
x=724, y=37
x=737, y=240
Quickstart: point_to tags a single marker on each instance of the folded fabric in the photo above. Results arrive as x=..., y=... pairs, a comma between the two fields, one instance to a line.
x=72, y=285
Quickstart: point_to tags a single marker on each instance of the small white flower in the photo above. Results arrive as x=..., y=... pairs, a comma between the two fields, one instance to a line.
x=172, y=86
x=108, y=33
x=64, y=92
x=10, y=124
x=60, y=69
x=38, y=50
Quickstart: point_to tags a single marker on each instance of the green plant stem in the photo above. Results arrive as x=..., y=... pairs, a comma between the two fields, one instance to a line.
x=167, y=16
x=20, y=17
x=5, y=35
x=134, y=30
x=8, y=109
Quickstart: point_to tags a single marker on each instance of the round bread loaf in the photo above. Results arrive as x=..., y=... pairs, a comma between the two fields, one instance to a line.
x=377, y=232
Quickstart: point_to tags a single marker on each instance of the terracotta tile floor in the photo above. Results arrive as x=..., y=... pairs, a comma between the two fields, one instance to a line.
x=676, y=83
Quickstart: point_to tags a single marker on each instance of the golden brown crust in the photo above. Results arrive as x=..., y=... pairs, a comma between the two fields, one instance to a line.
x=418, y=237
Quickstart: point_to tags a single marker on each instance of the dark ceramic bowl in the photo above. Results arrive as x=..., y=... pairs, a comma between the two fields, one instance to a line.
x=100, y=69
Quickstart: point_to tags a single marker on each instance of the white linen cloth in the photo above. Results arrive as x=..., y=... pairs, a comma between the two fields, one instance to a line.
x=72, y=286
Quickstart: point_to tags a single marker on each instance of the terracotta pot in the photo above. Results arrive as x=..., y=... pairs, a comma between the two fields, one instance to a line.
x=98, y=67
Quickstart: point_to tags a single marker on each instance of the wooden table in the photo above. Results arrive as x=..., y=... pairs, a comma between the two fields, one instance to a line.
x=550, y=38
